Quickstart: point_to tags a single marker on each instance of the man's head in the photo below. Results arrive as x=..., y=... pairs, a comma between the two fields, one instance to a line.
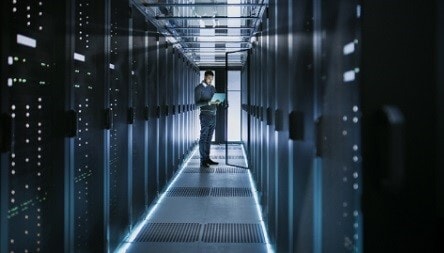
x=209, y=75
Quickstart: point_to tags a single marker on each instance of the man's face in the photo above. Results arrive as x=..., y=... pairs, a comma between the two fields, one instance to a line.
x=208, y=79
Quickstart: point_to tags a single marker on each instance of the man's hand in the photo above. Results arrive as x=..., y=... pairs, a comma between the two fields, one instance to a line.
x=217, y=102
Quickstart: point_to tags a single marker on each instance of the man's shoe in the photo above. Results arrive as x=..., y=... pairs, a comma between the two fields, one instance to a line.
x=211, y=162
x=204, y=165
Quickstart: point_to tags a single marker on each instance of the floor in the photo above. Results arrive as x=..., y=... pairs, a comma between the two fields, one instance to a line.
x=204, y=210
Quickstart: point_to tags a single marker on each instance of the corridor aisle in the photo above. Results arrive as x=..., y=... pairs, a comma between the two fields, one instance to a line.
x=204, y=210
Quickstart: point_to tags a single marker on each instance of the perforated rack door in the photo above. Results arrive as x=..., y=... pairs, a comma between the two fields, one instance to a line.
x=177, y=156
x=162, y=130
x=174, y=101
x=118, y=134
x=341, y=148
x=88, y=94
x=182, y=116
x=152, y=187
x=138, y=101
x=169, y=100
x=32, y=99
x=184, y=102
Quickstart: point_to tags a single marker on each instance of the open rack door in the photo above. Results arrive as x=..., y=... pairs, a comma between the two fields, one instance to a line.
x=234, y=150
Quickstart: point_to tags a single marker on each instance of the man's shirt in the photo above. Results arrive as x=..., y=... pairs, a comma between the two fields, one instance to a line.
x=202, y=95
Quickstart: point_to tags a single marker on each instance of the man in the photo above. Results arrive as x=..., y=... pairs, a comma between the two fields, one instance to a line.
x=202, y=96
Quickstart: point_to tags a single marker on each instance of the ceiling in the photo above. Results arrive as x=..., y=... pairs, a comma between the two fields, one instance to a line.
x=204, y=30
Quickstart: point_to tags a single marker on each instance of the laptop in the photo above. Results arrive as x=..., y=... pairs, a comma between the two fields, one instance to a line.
x=218, y=97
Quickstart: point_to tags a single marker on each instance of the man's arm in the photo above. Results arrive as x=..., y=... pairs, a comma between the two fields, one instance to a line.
x=198, y=97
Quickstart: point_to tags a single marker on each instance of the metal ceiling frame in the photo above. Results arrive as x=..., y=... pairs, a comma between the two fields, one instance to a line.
x=201, y=4
x=212, y=28
x=188, y=41
x=181, y=36
x=214, y=48
x=203, y=17
x=213, y=36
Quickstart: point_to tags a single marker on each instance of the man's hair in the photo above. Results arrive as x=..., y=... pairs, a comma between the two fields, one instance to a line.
x=209, y=73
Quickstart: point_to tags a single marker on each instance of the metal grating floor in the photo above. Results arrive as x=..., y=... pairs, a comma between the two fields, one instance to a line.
x=230, y=170
x=231, y=192
x=198, y=170
x=233, y=233
x=205, y=192
x=214, y=170
x=169, y=232
x=222, y=157
x=188, y=192
x=208, y=210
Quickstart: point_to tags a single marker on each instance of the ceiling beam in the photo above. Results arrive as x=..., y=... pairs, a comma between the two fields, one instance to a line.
x=195, y=48
x=200, y=4
x=215, y=42
x=215, y=36
x=202, y=17
x=211, y=28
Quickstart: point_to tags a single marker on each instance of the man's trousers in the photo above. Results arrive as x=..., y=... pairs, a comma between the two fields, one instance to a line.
x=207, y=125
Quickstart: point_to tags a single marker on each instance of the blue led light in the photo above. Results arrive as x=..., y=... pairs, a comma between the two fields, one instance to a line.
x=258, y=208
x=135, y=232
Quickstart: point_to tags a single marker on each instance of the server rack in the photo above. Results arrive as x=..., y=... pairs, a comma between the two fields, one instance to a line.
x=79, y=123
x=301, y=167
x=340, y=132
x=136, y=116
x=400, y=134
x=116, y=123
x=32, y=139
x=170, y=117
x=153, y=115
x=162, y=131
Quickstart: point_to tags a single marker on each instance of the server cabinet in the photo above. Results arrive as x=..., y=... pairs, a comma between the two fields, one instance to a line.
x=188, y=101
x=193, y=115
x=185, y=105
x=258, y=93
x=262, y=166
x=152, y=87
x=272, y=148
x=181, y=88
x=338, y=83
x=304, y=186
x=170, y=117
x=33, y=59
x=176, y=111
x=187, y=108
x=440, y=119
x=162, y=131
x=193, y=122
x=138, y=135
x=281, y=163
x=117, y=123
x=400, y=118
x=244, y=100
x=89, y=95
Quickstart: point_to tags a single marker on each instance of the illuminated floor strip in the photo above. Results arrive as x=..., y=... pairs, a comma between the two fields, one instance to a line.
x=258, y=207
x=130, y=238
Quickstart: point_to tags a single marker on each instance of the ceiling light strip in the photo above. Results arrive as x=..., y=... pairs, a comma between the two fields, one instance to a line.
x=201, y=4
x=203, y=17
